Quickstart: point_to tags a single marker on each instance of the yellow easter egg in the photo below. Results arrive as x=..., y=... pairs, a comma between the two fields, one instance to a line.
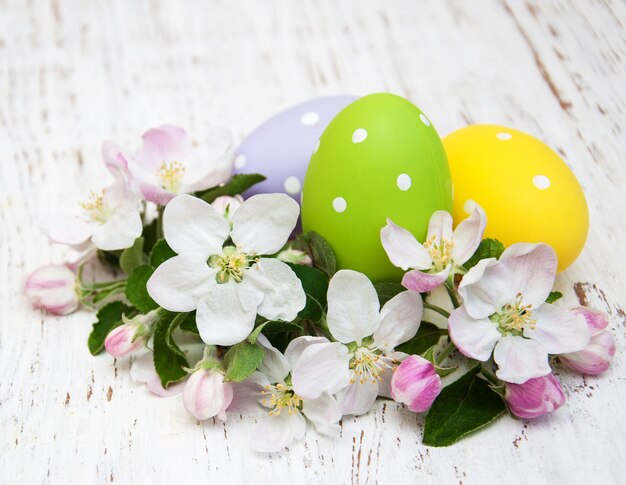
x=527, y=191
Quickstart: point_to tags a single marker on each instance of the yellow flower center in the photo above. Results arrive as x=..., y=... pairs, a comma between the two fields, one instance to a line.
x=369, y=365
x=514, y=317
x=231, y=264
x=95, y=208
x=171, y=175
x=440, y=252
x=279, y=397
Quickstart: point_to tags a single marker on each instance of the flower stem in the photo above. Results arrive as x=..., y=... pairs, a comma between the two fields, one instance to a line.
x=444, y=353
x=490, y=376
x=159, y=224
x=437, y=309
x=453, y=295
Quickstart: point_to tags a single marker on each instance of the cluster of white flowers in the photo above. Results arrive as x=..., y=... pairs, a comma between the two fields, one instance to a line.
x=233, y=270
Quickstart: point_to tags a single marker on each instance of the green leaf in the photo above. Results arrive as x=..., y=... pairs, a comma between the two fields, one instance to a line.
x=463, y=407
x=136, y=290
x=321, y=252
x=427, y=336
x=315, y=285
x=150, y=235
x=161, y=252
x=387, y=290
x=242, y=360
x=277, y=327
x=236, y=185
x=189, y=323
x=108, y=317
x=169, y=361
x=554, y=296
x=489, y=248
x=132, y=257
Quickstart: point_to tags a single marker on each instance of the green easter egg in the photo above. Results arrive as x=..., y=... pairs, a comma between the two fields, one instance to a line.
x=379, y=158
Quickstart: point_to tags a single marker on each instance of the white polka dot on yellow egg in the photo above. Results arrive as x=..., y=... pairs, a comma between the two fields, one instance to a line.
x=339, y=204
x=359, y=135
x=504, y=136
x=541, y=182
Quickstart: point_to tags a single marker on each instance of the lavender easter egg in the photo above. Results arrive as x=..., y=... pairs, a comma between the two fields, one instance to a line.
x=281, y=147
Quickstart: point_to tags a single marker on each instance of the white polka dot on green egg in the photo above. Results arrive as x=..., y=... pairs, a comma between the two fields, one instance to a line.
x=339, y=204
x=359, y=135
x=425, y=120
x=403, y=182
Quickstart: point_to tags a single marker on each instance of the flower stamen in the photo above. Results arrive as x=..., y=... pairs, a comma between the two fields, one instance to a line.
x=171, y=175
x=515, y=317
x=440, y=252
x=231, y=264
x=369, y=365
x=95, y=208
x=281, y=396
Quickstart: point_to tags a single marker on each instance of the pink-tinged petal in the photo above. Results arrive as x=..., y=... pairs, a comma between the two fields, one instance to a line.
x=53, y=288
x=122, y=341
x=226, y=314
x=403, y=249
x=415, y=382
x=247, y=394
x=166, y=143
x=384, y=385
x=321, y=368
x=486, y=288
x=283, y=296
x=142, y=370
x=400, y=319
x=207, y=395
x=324, y=413
x=533, y=269
x=227, y=205
x=263, y=223
x=535, y=397
x=475, y=338
x=179, y=283
x=156, y=194
x=420, y=282
x=69, y=230
x=278, y=431
x=440, y=227
x=358, y=398
x=467, y=236
x=558, y=330
x=520, y=359
x=120, y=230
x=210, y=164
x=191, y=225
x=116, y=162
x=275, y=365
x=353, y=306
x=593, y=359
x=597, y=321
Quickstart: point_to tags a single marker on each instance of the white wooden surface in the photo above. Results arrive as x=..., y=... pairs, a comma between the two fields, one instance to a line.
x=75, y=73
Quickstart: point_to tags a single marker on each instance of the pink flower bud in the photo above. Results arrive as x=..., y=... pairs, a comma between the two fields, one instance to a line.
x=593, y=359
x=207, y=395
x=123, y=340
x=53, y=288
x=596, y=357
x=227, y=205
x=535, y=397
x=415, y=382
x=295, y=256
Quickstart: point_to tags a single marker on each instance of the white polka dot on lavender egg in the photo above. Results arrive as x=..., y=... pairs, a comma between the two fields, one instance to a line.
x=240, y=162
x=359, y=135
x=339, y=204
x=310, y=119
x=292, y=185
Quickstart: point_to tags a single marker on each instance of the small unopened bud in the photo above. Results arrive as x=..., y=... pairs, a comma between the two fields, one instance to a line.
x=207, y=395
x=415, y=382
x=53, y=288
x=535, y=397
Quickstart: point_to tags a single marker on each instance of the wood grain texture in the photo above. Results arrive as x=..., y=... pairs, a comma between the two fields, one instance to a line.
x=75, y=73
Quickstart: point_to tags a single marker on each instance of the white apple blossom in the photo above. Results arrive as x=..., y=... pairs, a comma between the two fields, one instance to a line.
x=110, y=219
x=369, y=335
x=219, y=270
x=504, y=312
x=276, y=387
x=442, y=254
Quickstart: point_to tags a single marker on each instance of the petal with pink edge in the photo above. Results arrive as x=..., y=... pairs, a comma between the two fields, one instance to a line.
x=467, y=236
x=486, y=288
x=558, y=330
x=475, y=338
x=416, y=280
x=440, y=227
x=403, y=250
